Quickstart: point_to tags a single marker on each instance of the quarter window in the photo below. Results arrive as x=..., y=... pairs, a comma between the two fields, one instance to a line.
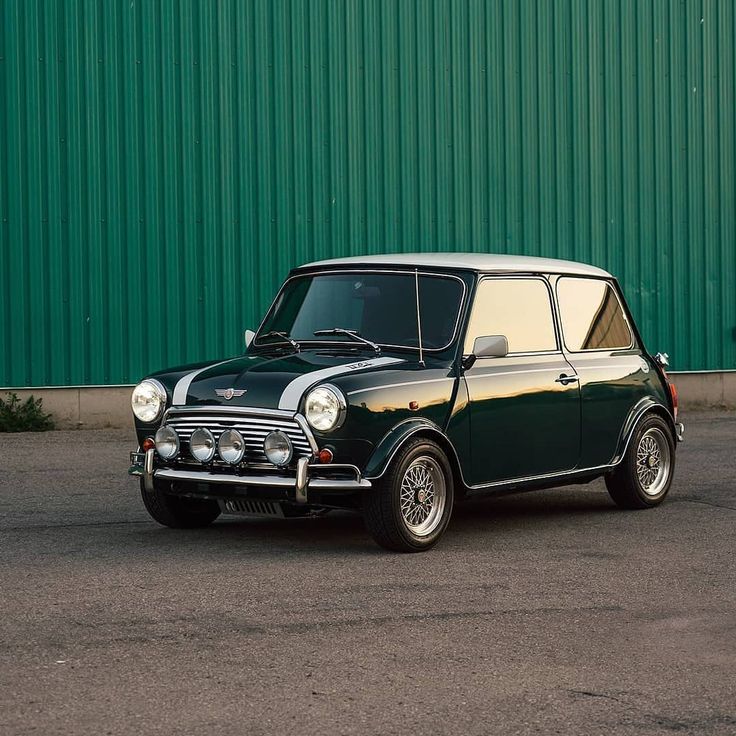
x=592, y=316
x=520, y=309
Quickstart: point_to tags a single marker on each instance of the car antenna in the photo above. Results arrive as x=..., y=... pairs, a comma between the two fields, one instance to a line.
x=419, y=319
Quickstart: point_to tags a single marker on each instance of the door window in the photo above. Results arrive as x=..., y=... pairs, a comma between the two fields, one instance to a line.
x=592, y=316
x=520, y=309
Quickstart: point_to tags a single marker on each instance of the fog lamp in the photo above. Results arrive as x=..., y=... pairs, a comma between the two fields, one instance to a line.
x=167, y=442
x=278, y=448
x=202, y=445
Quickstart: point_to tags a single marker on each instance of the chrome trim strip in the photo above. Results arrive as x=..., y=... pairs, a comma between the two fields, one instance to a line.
x=304, y=424
x=491, y=374
x=397, y=385
x=216, y=408
x=545, y=476
x=292, y=394
x=202, y=476
x=607, y=366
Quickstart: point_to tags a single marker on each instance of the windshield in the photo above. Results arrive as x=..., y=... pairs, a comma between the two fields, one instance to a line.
x=380, y=307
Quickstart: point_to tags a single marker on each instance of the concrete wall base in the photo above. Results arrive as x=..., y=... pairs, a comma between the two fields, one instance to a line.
x=712, y=390
x=83, y=407
x=97, y=407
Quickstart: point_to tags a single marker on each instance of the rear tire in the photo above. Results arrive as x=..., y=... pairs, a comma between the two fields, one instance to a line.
x=644, y=476
x=409, y=509
x=177, y=512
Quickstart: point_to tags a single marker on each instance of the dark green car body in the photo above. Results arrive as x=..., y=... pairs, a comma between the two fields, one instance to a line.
x=523, y=420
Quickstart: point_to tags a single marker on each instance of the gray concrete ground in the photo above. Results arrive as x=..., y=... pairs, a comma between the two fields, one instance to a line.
x=551, y=612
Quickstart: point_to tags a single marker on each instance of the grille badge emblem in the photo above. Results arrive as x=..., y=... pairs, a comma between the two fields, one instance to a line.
x=229, y=393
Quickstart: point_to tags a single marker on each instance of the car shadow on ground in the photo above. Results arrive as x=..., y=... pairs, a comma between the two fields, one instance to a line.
x=343, y=531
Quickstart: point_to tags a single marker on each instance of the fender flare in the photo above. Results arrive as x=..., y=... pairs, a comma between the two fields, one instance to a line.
x=642, y=407
x=396, y=437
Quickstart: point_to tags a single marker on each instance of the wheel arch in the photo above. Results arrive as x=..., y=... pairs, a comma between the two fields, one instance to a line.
x=397, y=438
x=638, y=413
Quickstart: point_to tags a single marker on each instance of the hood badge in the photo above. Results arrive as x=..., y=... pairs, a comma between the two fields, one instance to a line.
x=229, y=393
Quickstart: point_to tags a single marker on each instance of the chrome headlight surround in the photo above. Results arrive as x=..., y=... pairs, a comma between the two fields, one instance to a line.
x=278, y=448
x=167, y=442
x=148, y=400
x=325, y=408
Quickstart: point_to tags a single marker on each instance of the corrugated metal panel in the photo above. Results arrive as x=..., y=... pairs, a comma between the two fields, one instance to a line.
x=163, y=164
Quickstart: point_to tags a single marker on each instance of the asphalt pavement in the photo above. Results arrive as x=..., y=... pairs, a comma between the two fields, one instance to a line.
x=548, y=612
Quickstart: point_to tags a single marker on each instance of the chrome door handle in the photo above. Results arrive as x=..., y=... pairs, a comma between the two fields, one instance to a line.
x=564, y=380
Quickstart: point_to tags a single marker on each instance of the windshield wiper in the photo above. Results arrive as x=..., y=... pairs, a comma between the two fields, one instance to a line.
x=350, y=333
x=284, y=337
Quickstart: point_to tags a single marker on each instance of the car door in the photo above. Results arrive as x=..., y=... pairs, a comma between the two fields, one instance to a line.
x=525, y=406
x=614, y=376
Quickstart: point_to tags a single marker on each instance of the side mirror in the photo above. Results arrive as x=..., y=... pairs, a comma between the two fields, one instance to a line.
x=491, y=346
x=249, y=335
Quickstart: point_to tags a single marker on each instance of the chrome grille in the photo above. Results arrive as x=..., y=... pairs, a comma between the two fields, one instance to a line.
x=253, y=426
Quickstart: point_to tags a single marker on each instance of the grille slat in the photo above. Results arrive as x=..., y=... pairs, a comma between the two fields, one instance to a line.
x=253, y=428
x=250, y=507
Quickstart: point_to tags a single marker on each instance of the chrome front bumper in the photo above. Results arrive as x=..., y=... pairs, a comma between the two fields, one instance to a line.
x=306, y=477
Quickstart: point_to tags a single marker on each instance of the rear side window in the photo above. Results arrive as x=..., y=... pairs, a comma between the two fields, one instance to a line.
x=520, y=309
x=592, y=316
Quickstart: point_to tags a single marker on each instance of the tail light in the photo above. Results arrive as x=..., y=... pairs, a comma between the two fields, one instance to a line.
x=673, y=394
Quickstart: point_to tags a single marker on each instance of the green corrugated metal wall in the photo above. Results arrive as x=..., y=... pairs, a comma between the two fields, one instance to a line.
x=163, y=164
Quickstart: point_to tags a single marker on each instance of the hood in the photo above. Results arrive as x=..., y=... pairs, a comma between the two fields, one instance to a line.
x=269, y=382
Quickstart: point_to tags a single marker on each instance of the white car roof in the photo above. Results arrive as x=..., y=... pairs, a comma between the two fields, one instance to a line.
x=484, y=262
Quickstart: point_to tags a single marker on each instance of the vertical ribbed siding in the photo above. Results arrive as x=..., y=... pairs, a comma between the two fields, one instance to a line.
x=163, y=164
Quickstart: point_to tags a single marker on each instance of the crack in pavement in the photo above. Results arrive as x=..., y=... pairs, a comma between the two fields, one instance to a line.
x=706, y=503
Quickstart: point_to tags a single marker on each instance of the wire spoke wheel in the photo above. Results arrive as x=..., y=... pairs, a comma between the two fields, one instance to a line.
x=653, y=461
x=423, y=496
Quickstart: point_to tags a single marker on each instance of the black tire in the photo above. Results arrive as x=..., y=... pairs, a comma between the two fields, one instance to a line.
x=178, y=512
x=635, y=483
x=382, y=505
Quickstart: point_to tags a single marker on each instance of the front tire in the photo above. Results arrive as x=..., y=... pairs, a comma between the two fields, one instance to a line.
x=177, y=512
x=644, y=476
x=409, y=509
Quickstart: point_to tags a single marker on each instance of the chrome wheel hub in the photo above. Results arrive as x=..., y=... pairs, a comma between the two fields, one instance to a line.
x=653, y=461
x=423, y=496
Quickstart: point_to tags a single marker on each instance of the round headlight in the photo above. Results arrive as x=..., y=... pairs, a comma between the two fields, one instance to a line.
x=202, y=445
x=148, y=400
x=167, y=442
x=325, y=408
x=231, y=446
x=278, y=448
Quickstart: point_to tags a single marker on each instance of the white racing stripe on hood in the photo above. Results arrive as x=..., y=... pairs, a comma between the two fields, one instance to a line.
x=293, y=392
x=182, y=387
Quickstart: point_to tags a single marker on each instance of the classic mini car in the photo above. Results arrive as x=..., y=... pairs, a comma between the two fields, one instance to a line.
x=399, y=384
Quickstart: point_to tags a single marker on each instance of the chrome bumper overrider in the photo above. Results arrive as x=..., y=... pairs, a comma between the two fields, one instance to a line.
x=680, y=427
x=143, y=466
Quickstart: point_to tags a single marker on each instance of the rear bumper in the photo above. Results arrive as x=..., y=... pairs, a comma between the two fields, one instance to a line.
x=297, y=487
x=680, y=431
